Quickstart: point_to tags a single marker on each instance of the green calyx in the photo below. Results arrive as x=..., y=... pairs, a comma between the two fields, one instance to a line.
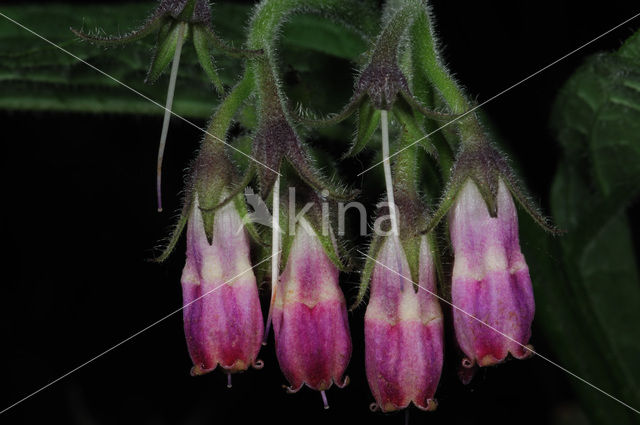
x=276, y=139
x=477, y=159
x=381, y=83
x=176, y=21
x=481, y=162
x=367, y=270
x=308, y=206
x=172, y=34
x=214, y=177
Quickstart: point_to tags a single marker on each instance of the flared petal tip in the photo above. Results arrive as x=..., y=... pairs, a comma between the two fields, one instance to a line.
x=490, y=360
x=344, y=383
x=322, y=386
x=290, y=389
x=430, y=405
x=238, y=366
x=467, y=363
x=524, y=352
x=198, y=370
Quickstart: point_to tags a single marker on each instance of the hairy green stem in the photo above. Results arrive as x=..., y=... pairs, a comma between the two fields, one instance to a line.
x=221, y=120
x=427, y=58
x=264, y=31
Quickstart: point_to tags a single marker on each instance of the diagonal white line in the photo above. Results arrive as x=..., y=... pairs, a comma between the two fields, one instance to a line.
x=134, y=91
x=134, y=335
x=504, y=91
x=504, y=335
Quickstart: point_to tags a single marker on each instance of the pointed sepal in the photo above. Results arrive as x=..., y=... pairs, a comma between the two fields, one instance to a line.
x=165, y=50
x=275, y=141
x=177, y=230
x=153, y=24
x=367, y=270
x=482, y=163
x=368, y=122
x=201, y=45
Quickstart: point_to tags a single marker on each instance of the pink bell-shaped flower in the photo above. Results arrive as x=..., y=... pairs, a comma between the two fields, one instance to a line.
x=310, y=323
x=222, y=318
x=490, y=279
x=403, y=330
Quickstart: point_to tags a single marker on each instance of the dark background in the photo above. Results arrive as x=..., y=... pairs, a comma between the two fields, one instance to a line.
x=80, y=225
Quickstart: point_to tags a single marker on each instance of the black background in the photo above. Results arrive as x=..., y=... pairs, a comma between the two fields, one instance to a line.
x=80, y=223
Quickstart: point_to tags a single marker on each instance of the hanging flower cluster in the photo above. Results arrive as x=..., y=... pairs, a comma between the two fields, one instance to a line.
x=405, y=90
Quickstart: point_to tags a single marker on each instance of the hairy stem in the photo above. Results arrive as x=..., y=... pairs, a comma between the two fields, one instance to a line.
x=427, y=57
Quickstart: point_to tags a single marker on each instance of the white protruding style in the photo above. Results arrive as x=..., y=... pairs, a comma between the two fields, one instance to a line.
x=167, y=112
x=275, y=248
x=384, y=126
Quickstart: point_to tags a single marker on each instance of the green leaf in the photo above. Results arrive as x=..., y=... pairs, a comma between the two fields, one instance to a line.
x=324, y=36
x=561, y=319
x=597, y=117
x=37, y=76
x=586, y=282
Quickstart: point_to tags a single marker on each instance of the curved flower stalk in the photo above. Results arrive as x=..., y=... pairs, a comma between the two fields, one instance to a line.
x=491, y=286
x=310, y=321
x=381, y=83
x=276, y=138
x=222, y=316
x=477, y=158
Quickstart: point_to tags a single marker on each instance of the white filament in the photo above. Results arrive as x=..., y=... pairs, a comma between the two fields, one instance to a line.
x=384, y=123
x=167, y=114
x=275, y=251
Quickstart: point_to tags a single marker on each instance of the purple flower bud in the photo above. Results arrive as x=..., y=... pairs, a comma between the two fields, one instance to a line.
x=224, y=327
x=403, y=331
x=310, y=322
x=490, y=279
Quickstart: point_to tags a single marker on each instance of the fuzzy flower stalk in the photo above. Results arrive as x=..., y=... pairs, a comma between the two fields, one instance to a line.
x=310, y=322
